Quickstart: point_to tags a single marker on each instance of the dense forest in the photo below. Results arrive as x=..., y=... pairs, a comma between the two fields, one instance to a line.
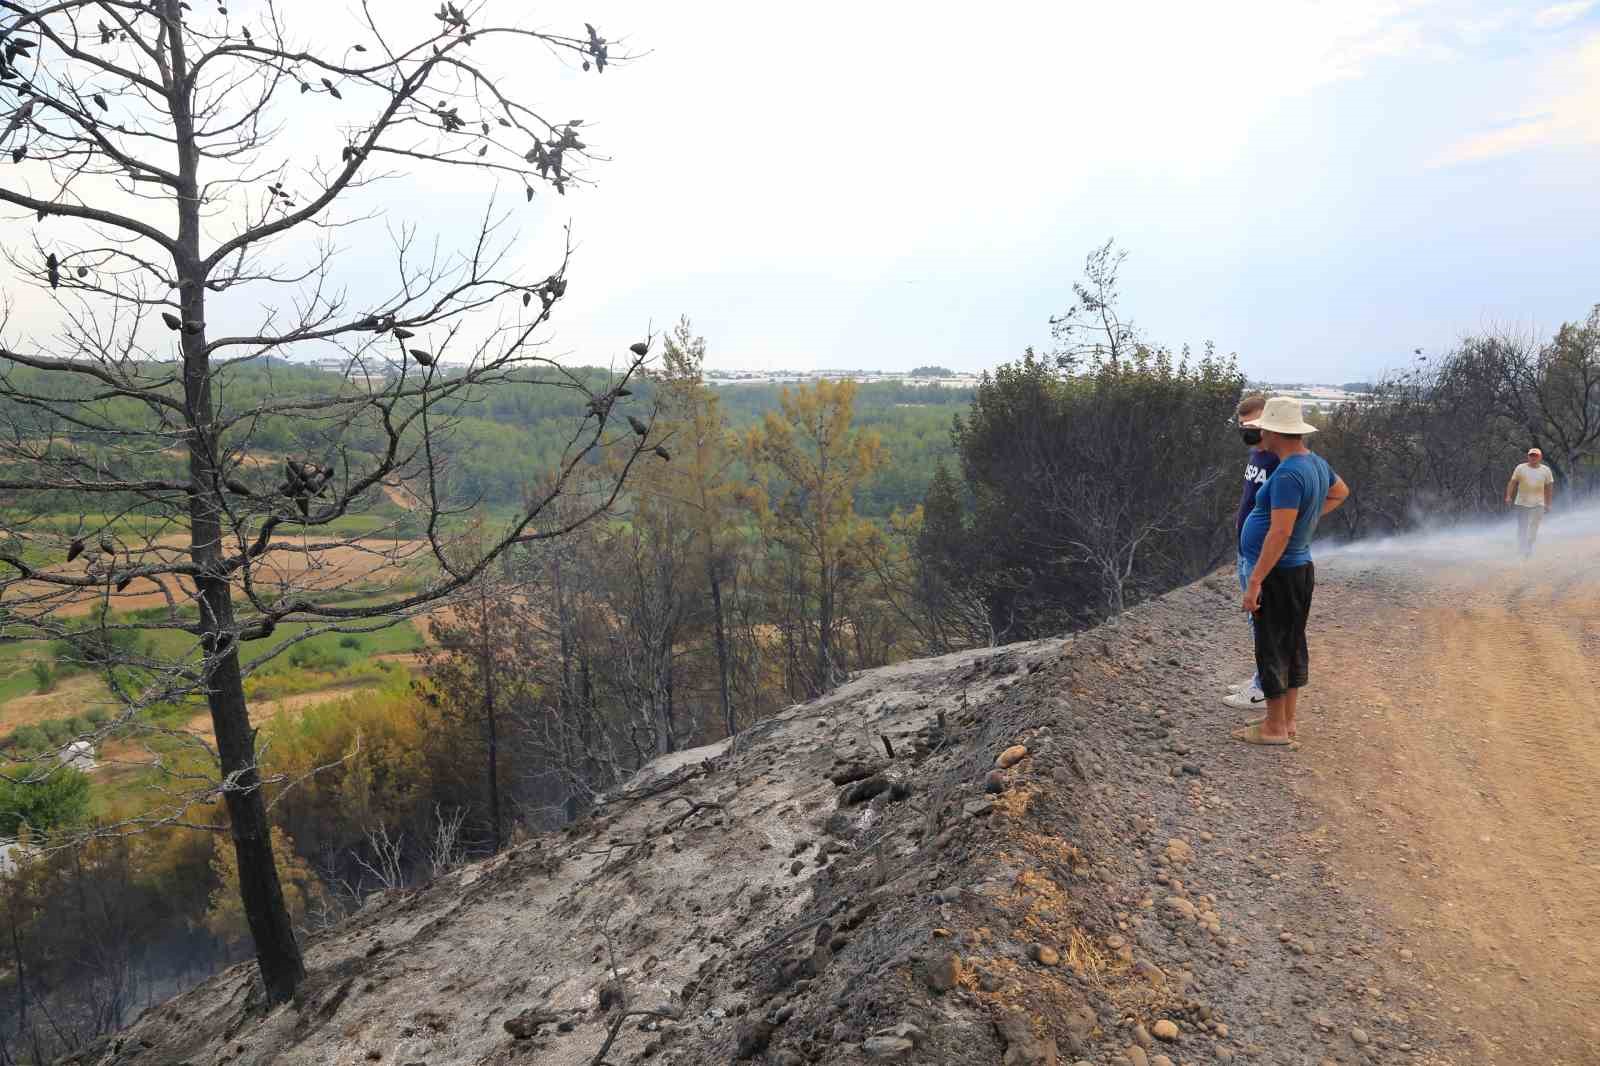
x=499, y=440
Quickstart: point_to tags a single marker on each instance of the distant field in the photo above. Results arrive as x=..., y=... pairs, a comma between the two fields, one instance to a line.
x=306, y=670
x=341, y=569
x=328, y=662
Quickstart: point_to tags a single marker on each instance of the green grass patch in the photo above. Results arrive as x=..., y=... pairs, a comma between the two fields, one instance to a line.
x=17, y=679
x=277, y=685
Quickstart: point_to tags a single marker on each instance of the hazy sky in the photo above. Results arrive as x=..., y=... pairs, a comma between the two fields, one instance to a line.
x=1319, y=186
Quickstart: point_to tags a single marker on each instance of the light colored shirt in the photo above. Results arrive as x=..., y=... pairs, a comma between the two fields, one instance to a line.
x=1531, y=481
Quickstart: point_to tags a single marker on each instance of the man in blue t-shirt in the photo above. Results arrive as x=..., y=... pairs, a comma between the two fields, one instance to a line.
x=1247, y=695
x=1276, y=541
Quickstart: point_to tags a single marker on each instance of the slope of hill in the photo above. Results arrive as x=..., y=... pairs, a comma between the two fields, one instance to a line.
x=854, y=881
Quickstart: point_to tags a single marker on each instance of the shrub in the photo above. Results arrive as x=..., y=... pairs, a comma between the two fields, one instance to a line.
x=44, y=673
x=158, y=711
x=29, y=738
x=350, y=640
x=308, y=656
x=97, y=716
x=55, y=731
x=43, y=798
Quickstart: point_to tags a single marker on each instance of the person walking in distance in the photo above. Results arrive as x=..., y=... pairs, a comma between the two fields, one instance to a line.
x=1277, y=542
x=1247, y=695
x=1530, y=490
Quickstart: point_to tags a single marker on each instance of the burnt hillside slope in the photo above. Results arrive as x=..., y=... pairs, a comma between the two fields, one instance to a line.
x=1064, y=859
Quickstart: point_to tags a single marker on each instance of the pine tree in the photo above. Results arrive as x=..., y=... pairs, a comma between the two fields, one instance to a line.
x=807, y=463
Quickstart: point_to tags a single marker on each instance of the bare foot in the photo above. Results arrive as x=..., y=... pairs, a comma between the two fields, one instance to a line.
x=1256, y=734
x=1263, y=722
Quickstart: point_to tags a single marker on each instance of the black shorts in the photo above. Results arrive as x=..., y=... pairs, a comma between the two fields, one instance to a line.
x=1282, y=658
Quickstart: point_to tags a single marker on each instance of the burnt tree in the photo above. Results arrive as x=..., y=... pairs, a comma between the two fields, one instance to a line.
x=178, y=179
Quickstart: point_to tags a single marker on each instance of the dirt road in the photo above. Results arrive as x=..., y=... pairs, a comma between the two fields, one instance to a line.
x=1456, y=753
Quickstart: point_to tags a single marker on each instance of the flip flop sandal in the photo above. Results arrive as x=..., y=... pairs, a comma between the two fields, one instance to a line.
x=1262, y=721
x=1252, y=735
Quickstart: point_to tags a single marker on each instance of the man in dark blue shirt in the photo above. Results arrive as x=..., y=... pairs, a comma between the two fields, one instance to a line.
x=1276, y=540
x=1247, y=695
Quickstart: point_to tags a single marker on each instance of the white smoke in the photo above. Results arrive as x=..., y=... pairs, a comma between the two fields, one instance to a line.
x=1568, y=535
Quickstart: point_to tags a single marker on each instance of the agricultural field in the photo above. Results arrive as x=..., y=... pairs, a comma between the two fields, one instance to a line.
x=46, y=698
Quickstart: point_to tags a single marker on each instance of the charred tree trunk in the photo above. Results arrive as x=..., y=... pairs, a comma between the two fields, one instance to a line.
x=824, y=679
x=277, y=953
x=22, y=975
x=668, y=695
x=491, y=729
x=721, y=637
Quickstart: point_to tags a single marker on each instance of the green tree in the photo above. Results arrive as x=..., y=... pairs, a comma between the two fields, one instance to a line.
x=807, y=463
x=1099, y=476
x=702, y=478
x=42, y=797
x=941, y=555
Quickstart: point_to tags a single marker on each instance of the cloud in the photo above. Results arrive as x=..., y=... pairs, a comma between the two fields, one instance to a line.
x=1558, y=15
x=1564, y=112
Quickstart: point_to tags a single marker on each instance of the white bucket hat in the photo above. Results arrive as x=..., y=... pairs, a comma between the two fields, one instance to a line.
x=1282, y=414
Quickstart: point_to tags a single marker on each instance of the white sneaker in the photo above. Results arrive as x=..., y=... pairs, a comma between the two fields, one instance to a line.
x=1248, y=698
x=1240, y=686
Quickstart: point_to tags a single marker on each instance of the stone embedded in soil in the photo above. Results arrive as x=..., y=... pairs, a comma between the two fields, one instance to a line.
x=1011, y=756
x=885, y=1047
x=864, y=790
x=1160, y=1060
x=753, y=1036
x=1023, y=1048
x=1165, y=1030
x=1141, y=1036
x=1182, y=907
x=1179, y=851
x=995, y=781
x=1136, y=1055
x=1359, y=1037
x=839, y=825
x=1149, y=971
x=852, y=772
x=528, y=1022
x=892, y=1043
x=944, y=971
x=1045, y=955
